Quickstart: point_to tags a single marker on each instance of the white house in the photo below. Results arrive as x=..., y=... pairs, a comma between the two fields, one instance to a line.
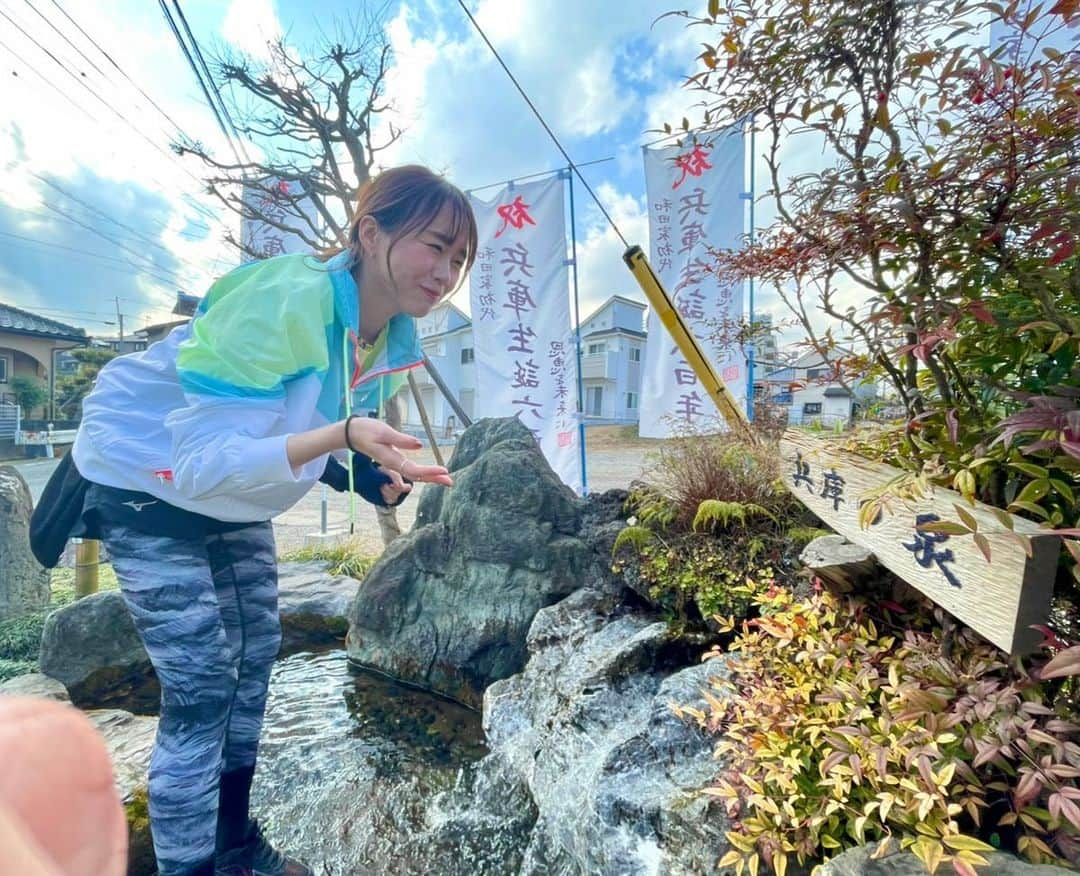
x=612, y=349
x=446, y=337
x=805, y=389
x=612, y=344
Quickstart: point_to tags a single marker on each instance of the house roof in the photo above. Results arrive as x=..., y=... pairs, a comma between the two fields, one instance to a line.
x=813, y=359
x=13, y=319
x=613, y=298
x=836, y=392
x=616, y=331
x=161, y=326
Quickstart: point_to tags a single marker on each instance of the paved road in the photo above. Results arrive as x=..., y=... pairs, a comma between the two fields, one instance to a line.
x=607, y=468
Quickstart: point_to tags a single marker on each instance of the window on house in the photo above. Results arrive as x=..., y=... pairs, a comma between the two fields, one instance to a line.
x=631, y=401
x=594, y=400
x=635, y=354
x=3, y=370
x=811, y=408
x=466, y=355
x=816, y=373
x=597, y=348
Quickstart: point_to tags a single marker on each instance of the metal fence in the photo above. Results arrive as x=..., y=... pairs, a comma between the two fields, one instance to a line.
x=9, y=420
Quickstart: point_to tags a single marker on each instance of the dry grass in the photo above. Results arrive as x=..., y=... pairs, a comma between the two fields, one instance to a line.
x=612, y=437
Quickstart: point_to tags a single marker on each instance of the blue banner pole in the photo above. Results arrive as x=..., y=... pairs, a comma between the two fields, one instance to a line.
x=750, y=346
x=577, y=336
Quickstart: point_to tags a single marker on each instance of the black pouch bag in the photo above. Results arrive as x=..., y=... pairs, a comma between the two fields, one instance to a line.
x=58, y=514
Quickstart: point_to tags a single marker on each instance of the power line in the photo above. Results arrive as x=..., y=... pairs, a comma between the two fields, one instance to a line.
x=98, y=97
x=137, y=234
x=536, y=112
x=88, y=253
x=150, y=269
x=81, y=82
x=202, y=209
x=120, y=69
x=198, y=76
x=45, y=79
x=213, y=85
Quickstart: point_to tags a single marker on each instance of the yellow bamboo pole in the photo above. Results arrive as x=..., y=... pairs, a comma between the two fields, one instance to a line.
x=87, y=553
x=672, y=320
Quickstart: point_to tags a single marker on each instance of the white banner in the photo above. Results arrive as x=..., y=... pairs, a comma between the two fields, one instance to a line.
x=694, y=204
x=519, y=293
x=274, y=200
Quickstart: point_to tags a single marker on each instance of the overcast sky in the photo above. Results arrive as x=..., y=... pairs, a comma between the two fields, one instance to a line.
x=94, y=208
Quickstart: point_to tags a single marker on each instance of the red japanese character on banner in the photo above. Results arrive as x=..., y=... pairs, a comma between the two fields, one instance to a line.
x=695, y=162
x=515, y=214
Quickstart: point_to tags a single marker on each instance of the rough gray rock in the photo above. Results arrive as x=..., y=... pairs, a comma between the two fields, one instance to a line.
x=839, y=562
x=130, y=739
x=24, y=583
x=448, y=605
x=314, y=606
x=588, y=728
x=35, y=685
x=91, y=645
x=857, y=862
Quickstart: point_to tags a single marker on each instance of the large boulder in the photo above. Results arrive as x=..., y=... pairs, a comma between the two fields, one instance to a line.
x=24, y=583
x=92, y=648
x=448, y=605
x=588, y=729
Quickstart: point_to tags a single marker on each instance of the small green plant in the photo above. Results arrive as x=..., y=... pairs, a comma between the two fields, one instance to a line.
x=346, y=558
x=699, y=560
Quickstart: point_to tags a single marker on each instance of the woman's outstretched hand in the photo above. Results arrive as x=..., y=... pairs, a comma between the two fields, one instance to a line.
x=385, y=445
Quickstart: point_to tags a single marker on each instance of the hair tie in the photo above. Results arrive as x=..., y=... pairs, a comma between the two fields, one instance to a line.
x=348, y=442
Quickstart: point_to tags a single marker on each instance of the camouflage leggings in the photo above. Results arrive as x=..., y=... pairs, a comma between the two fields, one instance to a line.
x=206, y=611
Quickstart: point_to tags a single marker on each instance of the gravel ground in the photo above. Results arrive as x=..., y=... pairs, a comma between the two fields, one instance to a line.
x=610, y=463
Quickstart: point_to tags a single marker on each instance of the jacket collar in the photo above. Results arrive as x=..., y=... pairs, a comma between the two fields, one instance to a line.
x=402, y=348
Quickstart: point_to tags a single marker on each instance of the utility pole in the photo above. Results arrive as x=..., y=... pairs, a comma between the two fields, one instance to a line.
x=120, y=319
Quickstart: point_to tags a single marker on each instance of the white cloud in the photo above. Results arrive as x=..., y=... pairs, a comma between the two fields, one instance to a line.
x=601, y=270
x=250, y=25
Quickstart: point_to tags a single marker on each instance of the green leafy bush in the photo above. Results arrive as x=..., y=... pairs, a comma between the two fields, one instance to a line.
x=846, y=721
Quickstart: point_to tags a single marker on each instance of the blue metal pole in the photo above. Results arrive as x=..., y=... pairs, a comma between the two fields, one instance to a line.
x=750, y=347
x=577, y=335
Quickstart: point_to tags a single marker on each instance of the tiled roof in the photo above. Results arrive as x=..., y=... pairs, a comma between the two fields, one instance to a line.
x=14, y=319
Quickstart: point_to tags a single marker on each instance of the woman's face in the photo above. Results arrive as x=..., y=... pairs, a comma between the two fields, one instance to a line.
x=424, y=265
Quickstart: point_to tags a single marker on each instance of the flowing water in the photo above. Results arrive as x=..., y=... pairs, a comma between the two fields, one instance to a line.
x=359, y=774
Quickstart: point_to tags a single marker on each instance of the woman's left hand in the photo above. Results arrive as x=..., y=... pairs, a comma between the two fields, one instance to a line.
x=382, y=443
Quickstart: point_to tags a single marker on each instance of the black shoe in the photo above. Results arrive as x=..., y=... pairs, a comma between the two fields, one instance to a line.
x=258, y=858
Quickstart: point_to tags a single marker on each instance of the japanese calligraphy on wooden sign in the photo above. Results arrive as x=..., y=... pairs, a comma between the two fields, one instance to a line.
x=999, y=599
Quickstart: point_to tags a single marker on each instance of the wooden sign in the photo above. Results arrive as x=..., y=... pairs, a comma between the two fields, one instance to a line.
x=1000, y=598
